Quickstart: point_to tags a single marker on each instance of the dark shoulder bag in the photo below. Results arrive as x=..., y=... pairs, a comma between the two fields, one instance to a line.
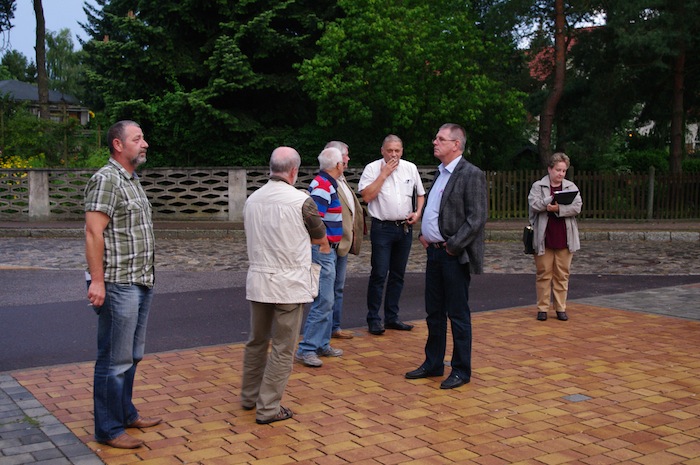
x=528, y=239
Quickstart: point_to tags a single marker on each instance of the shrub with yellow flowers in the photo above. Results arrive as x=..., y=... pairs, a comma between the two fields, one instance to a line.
x=14, y=162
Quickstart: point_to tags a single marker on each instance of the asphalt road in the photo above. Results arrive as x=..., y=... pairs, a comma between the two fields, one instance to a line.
x=45, y=318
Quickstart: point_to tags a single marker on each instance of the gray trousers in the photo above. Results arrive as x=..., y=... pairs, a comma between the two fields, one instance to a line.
x=266, y=371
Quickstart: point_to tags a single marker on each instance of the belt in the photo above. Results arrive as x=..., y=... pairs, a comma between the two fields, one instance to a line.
x=334, y=245
x=397, y=223
x=437, y=245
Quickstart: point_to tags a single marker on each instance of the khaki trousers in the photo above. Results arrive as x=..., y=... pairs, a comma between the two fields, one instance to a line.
x=553, y=269
x=265, y=375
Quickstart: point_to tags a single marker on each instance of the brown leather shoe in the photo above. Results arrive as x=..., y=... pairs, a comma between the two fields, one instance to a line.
x=340, y=334
x=144, y=422
x=124, y=441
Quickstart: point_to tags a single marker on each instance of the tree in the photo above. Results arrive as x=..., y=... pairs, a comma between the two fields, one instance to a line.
x=659, y=42
x=407, y=67
x=18, y=66
x=7, y=14
x=555, y=25
x=544, y=141
x=42, y=78
x=62, y=65
x=210, y=81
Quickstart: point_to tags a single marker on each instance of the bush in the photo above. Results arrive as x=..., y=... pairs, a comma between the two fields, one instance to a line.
x=639, y=161
x=691, y=165
x=16, y=162
x=95, y=159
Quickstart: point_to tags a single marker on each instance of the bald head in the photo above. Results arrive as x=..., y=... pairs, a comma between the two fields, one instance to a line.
x=285, y=163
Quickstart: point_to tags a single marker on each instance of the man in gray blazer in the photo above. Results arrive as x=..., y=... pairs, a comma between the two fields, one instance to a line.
x=452, y=232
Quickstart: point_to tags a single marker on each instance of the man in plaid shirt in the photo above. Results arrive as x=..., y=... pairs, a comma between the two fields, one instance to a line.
x=119, y=248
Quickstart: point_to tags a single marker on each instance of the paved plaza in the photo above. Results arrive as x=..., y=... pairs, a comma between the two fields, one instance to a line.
x=619, y=383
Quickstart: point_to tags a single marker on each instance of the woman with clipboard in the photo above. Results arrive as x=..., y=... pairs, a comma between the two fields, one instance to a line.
x=554, y=203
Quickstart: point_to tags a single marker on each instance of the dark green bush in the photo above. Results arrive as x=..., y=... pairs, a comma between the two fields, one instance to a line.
x=691, y=165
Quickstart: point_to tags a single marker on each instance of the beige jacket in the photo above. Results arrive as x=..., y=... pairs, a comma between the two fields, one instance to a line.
x=353, y=231
x=538, y=199
x=280, y=270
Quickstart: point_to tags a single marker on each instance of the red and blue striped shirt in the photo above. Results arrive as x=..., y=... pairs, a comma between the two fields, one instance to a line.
x=324, y=192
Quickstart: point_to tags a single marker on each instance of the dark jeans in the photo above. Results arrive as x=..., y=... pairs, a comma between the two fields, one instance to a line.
x=447, y=295
x=390, y=249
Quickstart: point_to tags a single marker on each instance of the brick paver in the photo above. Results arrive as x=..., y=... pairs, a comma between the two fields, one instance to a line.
x=609, y=386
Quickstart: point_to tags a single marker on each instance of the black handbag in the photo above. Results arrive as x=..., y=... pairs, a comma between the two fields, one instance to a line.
x=528, y=240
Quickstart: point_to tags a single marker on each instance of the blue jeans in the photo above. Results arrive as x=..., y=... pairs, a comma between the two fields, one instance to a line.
x=447, y=295
x=341, y=265
x=391, y=247
x=317, y=329
x=121, y=338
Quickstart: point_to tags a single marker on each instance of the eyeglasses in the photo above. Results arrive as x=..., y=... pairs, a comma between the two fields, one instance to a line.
x=442, y=139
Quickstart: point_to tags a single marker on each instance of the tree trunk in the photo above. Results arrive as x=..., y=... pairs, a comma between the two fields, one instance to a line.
x=42, y=78
x=677, y=110
x=677, y=115
x=544, y=142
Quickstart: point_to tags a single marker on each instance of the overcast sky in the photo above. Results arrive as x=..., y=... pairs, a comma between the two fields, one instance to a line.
x=58, y=14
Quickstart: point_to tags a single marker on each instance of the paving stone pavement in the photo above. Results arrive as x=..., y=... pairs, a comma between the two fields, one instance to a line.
x=228, y=254
x=30, y=434
x=594, y=392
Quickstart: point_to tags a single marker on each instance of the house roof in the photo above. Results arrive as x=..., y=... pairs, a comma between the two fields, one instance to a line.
x=23, y=91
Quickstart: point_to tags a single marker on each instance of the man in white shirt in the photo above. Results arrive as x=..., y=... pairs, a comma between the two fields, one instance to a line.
x=394, y=194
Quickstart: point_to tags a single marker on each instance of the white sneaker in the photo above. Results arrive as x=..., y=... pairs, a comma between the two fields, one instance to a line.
x=309, y=359
x=330, y=352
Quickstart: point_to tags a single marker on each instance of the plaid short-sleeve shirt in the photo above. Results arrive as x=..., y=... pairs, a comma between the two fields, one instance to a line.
x=129, y=239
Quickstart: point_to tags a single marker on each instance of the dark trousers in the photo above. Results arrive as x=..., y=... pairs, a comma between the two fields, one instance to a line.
x=447, y=295
x=391, y=246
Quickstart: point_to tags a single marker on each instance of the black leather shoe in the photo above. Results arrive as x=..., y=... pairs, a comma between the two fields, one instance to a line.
x=562, y=316
x=453, y=381
x=542, y=316
x=375, y=327
x=399, y=325
x=421, y=372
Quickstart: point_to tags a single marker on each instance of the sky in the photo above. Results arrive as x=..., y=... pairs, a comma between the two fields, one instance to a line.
x=58, y=14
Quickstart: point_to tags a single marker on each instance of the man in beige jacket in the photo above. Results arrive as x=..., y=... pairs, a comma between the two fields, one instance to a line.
x=281, y=222
x=353, y=234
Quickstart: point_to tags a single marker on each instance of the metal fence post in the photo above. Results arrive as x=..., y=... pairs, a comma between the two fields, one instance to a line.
x=650, y=201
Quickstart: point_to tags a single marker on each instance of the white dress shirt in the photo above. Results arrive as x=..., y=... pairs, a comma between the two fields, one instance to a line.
x=395, y=199
x=429, y=225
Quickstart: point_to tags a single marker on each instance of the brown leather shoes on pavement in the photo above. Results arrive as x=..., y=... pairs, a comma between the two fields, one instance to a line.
x=340, y=334
x=145, y=422
x=124, y=441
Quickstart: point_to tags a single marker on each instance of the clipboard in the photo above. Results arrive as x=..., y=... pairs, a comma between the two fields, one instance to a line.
x=565, y=197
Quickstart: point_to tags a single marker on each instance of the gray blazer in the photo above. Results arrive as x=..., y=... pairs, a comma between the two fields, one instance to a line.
x=463, y=214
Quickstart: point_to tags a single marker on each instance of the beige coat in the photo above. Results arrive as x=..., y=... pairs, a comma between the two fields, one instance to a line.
x=540, y=196
x=353, y=231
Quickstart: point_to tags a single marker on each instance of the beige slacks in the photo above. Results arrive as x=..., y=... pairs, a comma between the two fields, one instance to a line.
x=269, y=355
x=553, y=269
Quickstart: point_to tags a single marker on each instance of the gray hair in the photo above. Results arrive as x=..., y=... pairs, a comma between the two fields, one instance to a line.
x=457, y=133
x=283, y=160
x=559, y=157
x=336, y=144
x=392, y=138
x=329, y=158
